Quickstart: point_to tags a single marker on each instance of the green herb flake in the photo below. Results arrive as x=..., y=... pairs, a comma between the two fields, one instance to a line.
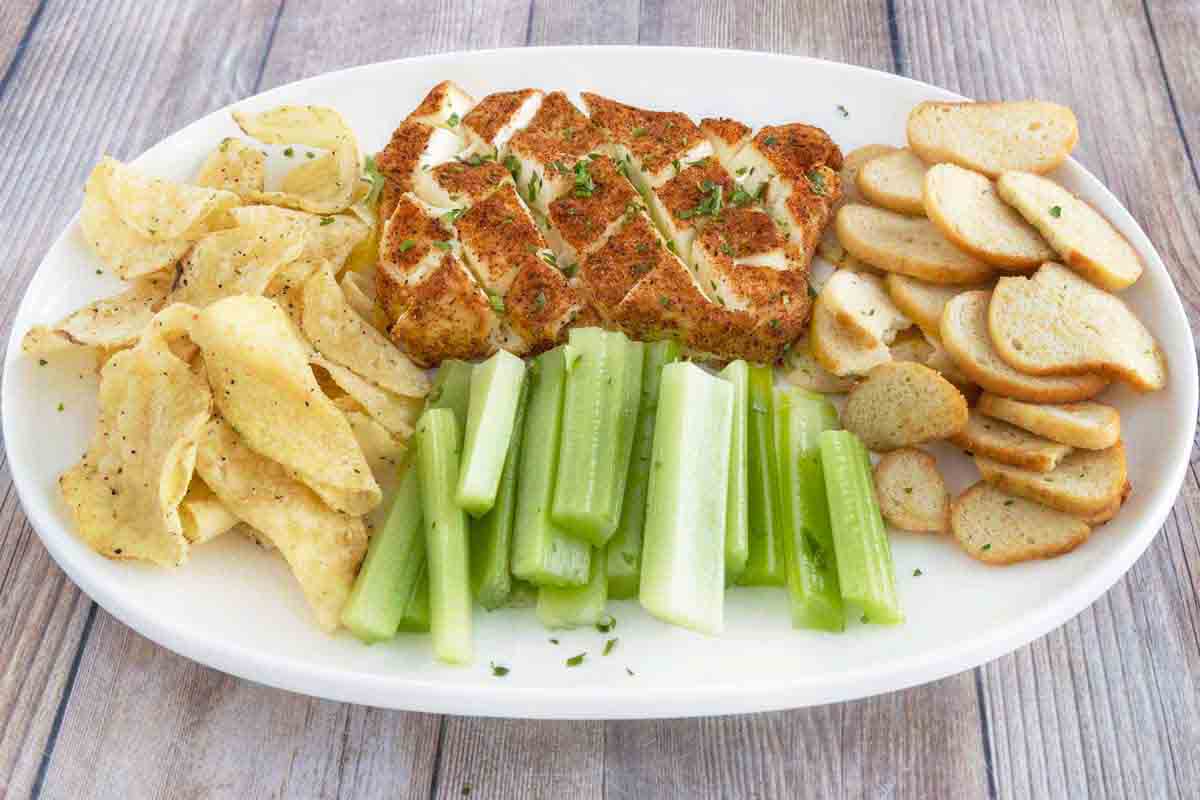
x=664, y=301
x=535, y=183
x=466, y=790
x=639, y=131
x=575, y=661
x=499, y=671
x=775, y=323
x=607, y=624
x=676, y=165
x=539, y=301
x=513, y=165
x=310, y=154
x=496, y=302
x=770, y=140
x=406, y=245
x=1008, y=502
x=453, y=214
x=326, y=221
x=289, y=152
x=60, y=407
x=584, y=185
x=610, y=645
x=671, y=246
x=375, y=178
x=629, y=672
x=443, y=245
x=42, y=362
x=817, y=181
x=453, y=119
x=986, y=547
x=554, y=641
x=917, y=572
x=1056, y=211
x=841, y=109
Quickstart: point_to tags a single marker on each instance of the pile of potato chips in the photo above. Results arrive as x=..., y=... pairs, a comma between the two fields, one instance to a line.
x=247, y=381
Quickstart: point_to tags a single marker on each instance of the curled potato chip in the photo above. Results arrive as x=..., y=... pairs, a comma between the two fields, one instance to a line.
x=126, y=491
x=235, y=167
x=121, y=249
x=324, y=185
x=161, y=210
x=397, y=413
x=340, y=334
x=264, y=387
x=108, y=324
x=203, y=515
x=359, y=290
x=238, y=260
x=323, y=547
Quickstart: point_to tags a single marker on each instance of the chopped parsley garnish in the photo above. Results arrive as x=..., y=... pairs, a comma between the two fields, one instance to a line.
x=496, y=302
x=499, y=671
x=477, y=159
x=710, y=204
x=741, y=197
x=917, y=572
x=607, y=624
x=376, y=179
x=629, y=672
x=740, y=171
x=326, y=221
x=775, y=323
x=570, y=269
x=817, y=181
x=671, y=246
x=610, y=645
x=664, y=301
x=442, y=245
x=407, y=244
x=584, y=185
x=549, y=258
x=726, y=249
x=513, y=164
x=676, y=165
x=42, y=362
x=1008, y=502
x=986, y=547
x=60, y=406
x=310, y=154
x=770, y=140
x=552, y=641
x=453, y=119
x=535, y=183
x=289, y=152
x=843, y=111
x=639, y=131
x=1056, y=211
x=539, y=301
x=453, y=214
x=575, y=661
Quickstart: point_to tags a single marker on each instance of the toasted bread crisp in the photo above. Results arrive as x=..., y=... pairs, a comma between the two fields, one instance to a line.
x=1009, y=444
x=908, y=245
x=965, y=335
x=853, y=164
x=862, y=308
x=839, y=350
x=1056, y=323
x=1091, y=426
x=903, y=404
x=895, y=181
x=1085, y=482
x=997, y=528
x=1087, y=242
x=912, y=495
x=923, y=302
x=993, y=137
x=967, y=210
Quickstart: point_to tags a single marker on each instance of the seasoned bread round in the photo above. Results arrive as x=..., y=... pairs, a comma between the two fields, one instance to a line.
x=923, y=302
x=903, y=404
x=1086, y=241
x=802, y=369
x=1091, y=426
x=965, y=335
x=895, y=181
x=908, y=245
x=1057, y=323
x=967, y=210
x=1085, y=482
x=912, y=495
x=990, y=138
x=853, y=163
x=997, y=528
x=991, y=438
x=911, y=345
x=839, y=350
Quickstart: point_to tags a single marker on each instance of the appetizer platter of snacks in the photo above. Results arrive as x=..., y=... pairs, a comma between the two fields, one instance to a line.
x=413, y=386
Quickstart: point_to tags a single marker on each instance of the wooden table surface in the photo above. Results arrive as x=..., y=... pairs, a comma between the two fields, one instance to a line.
x=1106, y=706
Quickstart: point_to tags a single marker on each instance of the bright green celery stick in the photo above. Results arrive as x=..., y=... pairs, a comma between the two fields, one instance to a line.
x=683, y=556
x=523, y=595
x=764, y=561
x=864, y=555
x=416, y=610
x=491, y=534
x=625, y=547
x=572, y=606
x=599, y=412
x=389, y=579
x=737, y=527
x=543, y=553
x=495, y=395
x=446, y=540
x=812, y=578
x=452, y=389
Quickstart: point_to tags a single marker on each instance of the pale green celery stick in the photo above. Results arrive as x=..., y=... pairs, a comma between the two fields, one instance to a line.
x=543, y=553
x=764, y=561
x=491, y=534
x=389, y=577
x=737, y=526
x=570, y=607
x=683, y=556
x=864, y=555
x=446, y=541
x=523, y=595
x=495, y=395
x=625, y=547
x=809, y=557
x=452, y=389
x=416, y=609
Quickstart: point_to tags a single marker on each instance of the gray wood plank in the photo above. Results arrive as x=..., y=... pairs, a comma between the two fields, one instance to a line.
x=144, y=722
x=1106, y=706
x=17, y=20
x=59, y=110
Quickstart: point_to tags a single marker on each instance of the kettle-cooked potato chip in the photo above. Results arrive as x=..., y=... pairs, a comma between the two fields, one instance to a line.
x=264, y=387
x=341, y=335
x=359, y=289
x=238, y=260
x=329, y=238
x=108, y=324
x=397, y=413
x=126, y=491
x=323, y=547
x=162, y=210
x=324, y=185
x=203, y=515
x=235, y=167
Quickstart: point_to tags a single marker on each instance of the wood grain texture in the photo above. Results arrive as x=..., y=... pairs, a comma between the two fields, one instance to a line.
x=1108, y=705
x=58, y=112
x=18, y=20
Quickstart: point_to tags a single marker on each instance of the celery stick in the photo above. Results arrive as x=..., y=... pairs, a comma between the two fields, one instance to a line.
x=452, y=389
x=683, y=556
x=495, y=394
x=416, y=608
x=764, y=561
x=599, y=412
x=737, y=527
x=572, y=606
x=812, y=578
x=625, y=547
x=864, y=555
x=523, y=595
x=491, y=534
x=390, y=574
x=543, y=553
x=445, y=536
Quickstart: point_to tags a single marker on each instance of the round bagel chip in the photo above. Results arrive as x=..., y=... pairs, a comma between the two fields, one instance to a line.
x=109, y=324
x=326, y=184
x=235, y=167
x=125, y=492
x=322, y=547
x=264, y=387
